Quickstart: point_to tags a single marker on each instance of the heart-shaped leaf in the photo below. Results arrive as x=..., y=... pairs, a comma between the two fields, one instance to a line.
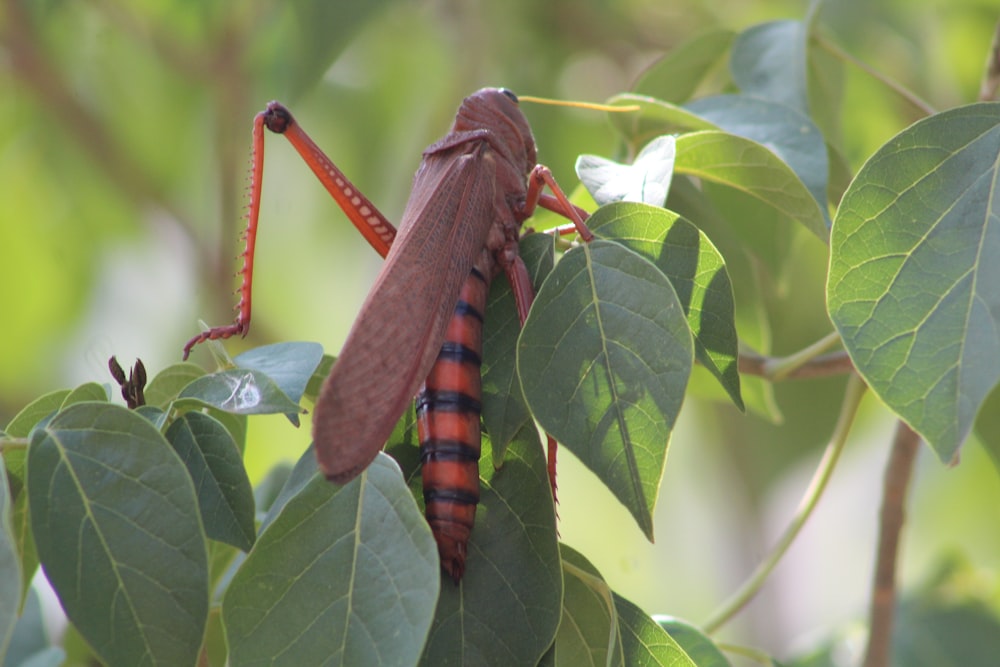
x=913, y=275
x=604, y=359
x=119, y=535
x=342, y=576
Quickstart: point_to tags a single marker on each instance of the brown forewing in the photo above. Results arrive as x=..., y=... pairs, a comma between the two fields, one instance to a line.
x=397, y=336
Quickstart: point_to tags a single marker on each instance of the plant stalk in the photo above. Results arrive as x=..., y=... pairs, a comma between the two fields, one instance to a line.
x=848, y=411
x=781, y=368
x=898, y=472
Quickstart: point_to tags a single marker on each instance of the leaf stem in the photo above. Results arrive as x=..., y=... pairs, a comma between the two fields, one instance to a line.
x=848, y=410
x=8, y=444
x=895, y=87
x=809, y=362
x=779, y=369
x=898, y=472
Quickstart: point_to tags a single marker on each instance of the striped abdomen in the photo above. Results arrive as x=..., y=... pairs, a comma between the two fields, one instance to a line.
x=448, y=408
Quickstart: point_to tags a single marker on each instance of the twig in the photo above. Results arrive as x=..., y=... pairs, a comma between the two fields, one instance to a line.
x=848, y=409
x=806, y=363
x=897, y=478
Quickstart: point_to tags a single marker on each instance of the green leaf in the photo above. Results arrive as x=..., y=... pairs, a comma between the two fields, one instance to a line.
x=267, y=490
x=588, y=631
x=697, y=272
x=751, y=168
x=505, y=610
x=116, y=524
x=289, y=365
x=154, y=415
x=10, y=568
x=15, y=461
x=826, y=93
x=913, y=272
x=790, y=134
x=646, y=643
x=89, y=391
x=646, y=180
x=677, y=75
x=24, y=541
x=43, y=406
x=344, y=575
x=504, y=410
x=241, y=391
x=296, y=480
x=318, y=375
x=169, y=382
x=769, y=61
x=266, y=496
x=751, y=291
x=604, y=359
x=29, y=644
x=225, y=496
x=699, y=648
x=652, y=119
x=988, y=426
x=311, y=35
x=947, y=621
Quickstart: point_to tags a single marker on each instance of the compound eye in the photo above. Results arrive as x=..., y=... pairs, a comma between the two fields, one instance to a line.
x=510, y=95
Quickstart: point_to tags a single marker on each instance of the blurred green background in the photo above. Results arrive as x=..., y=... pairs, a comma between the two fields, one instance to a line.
x=123, y=163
